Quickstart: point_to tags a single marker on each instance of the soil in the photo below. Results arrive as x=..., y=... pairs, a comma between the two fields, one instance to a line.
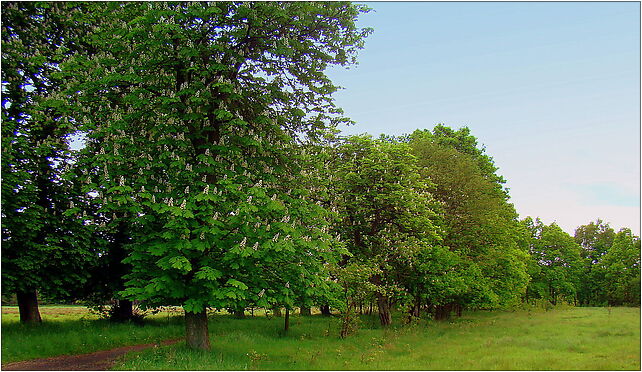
x=96, y=361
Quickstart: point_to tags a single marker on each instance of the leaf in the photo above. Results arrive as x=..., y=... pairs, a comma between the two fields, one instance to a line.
x=181, y=263
x=208, y=273
x=237, y=284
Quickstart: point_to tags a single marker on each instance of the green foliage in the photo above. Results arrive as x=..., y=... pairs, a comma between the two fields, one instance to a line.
x=595, y=239
x=480, y=226
x=465, y=143
x=194, y=115
x=47, y=243
x=556, y=263
x=387, y=213
x=621, y=265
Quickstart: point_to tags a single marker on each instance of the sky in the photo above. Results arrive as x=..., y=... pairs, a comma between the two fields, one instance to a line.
x=552, y=90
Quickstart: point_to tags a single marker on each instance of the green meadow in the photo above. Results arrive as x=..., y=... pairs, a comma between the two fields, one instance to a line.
x=559, y=339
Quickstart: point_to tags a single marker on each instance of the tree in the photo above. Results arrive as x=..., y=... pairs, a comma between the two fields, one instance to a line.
x=557, y=259
x=196, y=110
x=621, y=265
x=480, y=226
x=595, y=239
x=387, y=213
x=465, y=143
x=47, y=245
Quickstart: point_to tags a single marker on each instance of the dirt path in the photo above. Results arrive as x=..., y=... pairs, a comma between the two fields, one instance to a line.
x=96, y=361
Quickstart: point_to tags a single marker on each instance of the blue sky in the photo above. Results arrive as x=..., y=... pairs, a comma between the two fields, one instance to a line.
x=551, y=89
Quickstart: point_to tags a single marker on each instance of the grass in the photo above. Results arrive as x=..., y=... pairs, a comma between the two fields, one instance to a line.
x=68, y=330
x=561, y=339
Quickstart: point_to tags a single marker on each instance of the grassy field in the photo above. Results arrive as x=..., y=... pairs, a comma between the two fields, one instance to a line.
x=69, y=330
x=561, y=339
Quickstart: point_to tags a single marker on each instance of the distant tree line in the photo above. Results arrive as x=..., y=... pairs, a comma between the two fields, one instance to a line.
x=212, y=176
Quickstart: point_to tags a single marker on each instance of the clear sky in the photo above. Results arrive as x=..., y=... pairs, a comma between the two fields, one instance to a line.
x=551, y=89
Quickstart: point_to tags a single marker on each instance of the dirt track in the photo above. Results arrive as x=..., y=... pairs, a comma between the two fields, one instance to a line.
x=96, y=361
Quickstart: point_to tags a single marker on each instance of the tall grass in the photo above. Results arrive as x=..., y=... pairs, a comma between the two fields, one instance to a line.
x=69, y=330
x=560, y=339
x=570, y=339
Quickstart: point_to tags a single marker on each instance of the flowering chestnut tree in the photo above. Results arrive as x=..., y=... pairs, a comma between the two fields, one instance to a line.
x=196, y=114
x=388, y=215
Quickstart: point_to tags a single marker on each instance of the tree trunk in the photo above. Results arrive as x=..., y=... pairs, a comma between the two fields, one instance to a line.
x=459, y=309
x=325, y=310
x=239, y=313
x=277, y=311
x=123, y=311
x=28, y=307
x=385, y=317
x=287, y=319
x=552, y=295
x=306, y=311
x=442, y=312
x=196, y=331
x=415, y=311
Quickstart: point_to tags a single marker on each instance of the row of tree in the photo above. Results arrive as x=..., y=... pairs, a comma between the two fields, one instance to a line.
x=211, y=176
x=597, y=267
